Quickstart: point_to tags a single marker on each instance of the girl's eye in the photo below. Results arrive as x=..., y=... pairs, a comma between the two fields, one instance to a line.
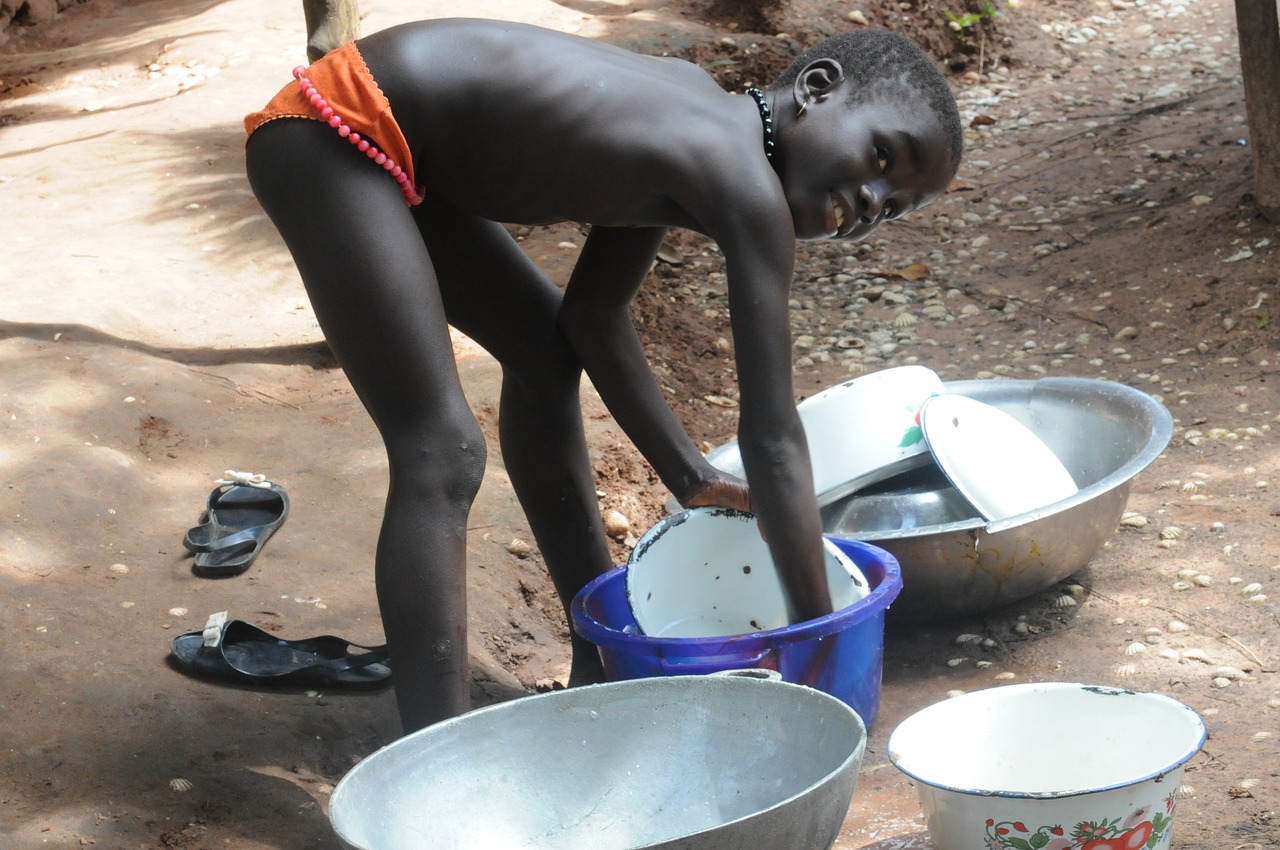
x=883, y=160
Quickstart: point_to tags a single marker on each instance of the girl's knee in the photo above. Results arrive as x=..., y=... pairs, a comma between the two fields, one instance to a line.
x=441, y=463
x=554, y=373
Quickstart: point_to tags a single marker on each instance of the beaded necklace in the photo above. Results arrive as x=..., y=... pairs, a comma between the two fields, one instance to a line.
x=361, y=144
x=766, y=119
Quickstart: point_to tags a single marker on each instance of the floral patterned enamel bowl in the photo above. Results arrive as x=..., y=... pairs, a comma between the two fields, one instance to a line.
x=859, y=432
x=1049, y=766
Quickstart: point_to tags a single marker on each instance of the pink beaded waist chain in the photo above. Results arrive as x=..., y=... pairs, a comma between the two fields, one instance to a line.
x=361, y=144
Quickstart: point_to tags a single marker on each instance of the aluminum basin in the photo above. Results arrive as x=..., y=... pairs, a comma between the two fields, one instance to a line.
x=956, y=564
x=717, y=762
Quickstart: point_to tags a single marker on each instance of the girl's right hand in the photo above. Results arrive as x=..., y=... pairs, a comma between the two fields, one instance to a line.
x=720, y=490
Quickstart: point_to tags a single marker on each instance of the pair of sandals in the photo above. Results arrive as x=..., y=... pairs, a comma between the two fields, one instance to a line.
x=243, y=511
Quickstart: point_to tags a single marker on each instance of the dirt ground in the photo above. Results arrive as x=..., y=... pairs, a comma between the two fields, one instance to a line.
x=153, y=334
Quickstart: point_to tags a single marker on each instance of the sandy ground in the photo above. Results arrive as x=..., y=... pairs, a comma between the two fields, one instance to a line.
x=153, y=334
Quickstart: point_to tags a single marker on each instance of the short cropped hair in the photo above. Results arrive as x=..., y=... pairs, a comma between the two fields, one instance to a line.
x=885, y=64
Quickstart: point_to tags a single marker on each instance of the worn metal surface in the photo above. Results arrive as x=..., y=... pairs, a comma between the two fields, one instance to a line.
x=952, y=564
x=691, y=762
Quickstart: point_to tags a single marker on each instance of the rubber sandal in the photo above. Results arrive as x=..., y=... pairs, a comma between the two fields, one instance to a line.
x=238, y=652
x=242, y=514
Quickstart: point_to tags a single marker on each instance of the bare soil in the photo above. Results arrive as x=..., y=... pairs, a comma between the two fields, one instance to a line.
x=153, y=334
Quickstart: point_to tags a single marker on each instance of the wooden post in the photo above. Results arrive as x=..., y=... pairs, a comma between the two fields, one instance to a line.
x=330, y=24
x=1259, y=29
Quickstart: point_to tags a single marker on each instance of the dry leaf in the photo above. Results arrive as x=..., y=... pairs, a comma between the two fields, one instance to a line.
x=982, y=121
x=915, y=271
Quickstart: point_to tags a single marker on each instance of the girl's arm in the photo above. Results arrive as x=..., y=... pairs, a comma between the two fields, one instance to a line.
x=596, y=319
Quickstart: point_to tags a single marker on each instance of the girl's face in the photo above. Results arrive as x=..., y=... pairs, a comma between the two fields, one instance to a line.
x=846, y=169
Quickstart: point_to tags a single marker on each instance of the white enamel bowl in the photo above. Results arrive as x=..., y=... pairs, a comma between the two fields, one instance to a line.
x=707, y=572
x=1049, y=766
x=859, y=432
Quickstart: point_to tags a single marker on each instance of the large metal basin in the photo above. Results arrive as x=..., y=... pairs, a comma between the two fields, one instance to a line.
x=953, y=562
x=717, y=762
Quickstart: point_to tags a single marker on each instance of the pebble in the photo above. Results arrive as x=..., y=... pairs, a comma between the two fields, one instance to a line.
x=616, y=525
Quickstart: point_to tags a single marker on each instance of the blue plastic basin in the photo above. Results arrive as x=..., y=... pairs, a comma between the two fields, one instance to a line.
x=841, y=654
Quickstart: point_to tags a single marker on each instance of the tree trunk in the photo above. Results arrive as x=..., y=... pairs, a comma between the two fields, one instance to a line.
x=1259, y=29
x=330, y=24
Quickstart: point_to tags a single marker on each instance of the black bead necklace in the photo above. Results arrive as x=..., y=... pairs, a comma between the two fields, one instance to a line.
x=766, y=118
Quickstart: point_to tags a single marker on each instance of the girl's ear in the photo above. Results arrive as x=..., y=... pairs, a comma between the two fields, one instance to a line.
x=816, y=81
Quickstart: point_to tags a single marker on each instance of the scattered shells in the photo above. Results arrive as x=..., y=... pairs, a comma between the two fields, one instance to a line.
x=1177, y=626
x=1195, y=655
x=520, y=548
x=1274, y=702
x=1188, y=573
x=1064, y=601
x=1220, y=682
x=1181, y=586
x=1075, y=589
x=1261, y=736
x=177, y=612
x=1132, y=520
x=1170, y=654
x=956, y=662
x=967, y=638
x=119, y=568
x=1135, y=648
x=1250, y=589
x=905, y=320
x=1004, y=677
x=1202, y=580
x=1171, y=533
x=1258, y=597
x=982, y=665
x=1125, y=670
x=1152, y=631
x=952, y=694
x=1186, y=791
x=1190, y=486
x=180, y=786
x=1235, y=674
x=1167, y=544
x=1246, y=784
x=1170, y=484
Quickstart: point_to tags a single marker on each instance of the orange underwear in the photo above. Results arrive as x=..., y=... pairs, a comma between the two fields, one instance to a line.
x=346, y=83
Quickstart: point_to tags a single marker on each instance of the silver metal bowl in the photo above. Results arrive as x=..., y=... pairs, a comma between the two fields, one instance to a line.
x=716, y=762
x=953, y=562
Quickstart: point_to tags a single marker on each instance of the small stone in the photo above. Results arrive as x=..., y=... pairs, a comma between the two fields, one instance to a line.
x=616, y=525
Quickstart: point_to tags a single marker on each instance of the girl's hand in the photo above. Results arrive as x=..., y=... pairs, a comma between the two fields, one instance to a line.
x=720, y=489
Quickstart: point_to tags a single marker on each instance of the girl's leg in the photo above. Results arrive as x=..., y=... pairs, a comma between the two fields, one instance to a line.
x=373, y=287
x=499, y=298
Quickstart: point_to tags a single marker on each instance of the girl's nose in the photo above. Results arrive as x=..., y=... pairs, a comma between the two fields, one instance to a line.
x=872, y=197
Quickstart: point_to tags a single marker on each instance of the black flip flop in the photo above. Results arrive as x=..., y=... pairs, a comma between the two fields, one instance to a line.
x=238, y=652
x=240, y=518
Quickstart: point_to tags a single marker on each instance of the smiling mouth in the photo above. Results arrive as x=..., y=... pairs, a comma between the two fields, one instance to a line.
x=838, y=215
